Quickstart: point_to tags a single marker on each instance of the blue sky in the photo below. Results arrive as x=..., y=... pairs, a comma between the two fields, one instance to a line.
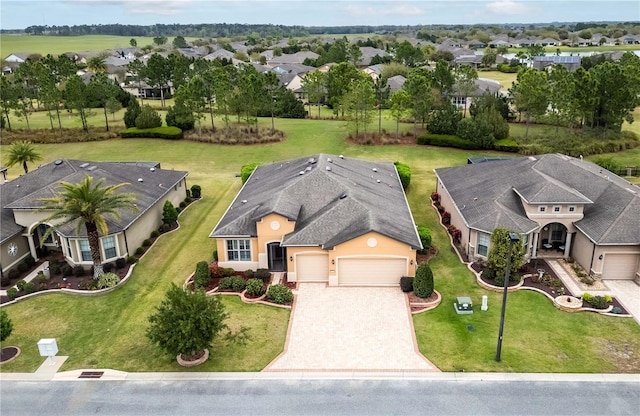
x=18, y=14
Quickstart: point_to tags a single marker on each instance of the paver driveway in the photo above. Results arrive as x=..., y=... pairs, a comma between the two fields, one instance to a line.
x=349, y=328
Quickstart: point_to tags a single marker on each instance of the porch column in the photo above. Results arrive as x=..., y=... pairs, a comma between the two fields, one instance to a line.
x=32, y=245
x=567, y=246
x=534, y=254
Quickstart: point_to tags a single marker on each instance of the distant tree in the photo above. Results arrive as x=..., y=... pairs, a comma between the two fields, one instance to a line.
x=407, y=54
x=160, y=40
x=179, y=116
x=359, y=102
x=113, y=106
x=533, y=51
x=314, y=85
x=169, y=213
x=531, y=94
x=465, y=82
x=442, y=55
x=76, y=97
x=400, y=104
x=97, y=64
x=158, y=73
x=394, y=68
x=489, y=58
x=179, y=42
x=8, y=98
x=148, y=118
x=339, y=79
x=133, y=111
x=418, y=87
x=354, y=54
x=133, y=42
x=21, y=152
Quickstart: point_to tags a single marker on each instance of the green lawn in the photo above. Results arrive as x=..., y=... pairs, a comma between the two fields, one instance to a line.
x=56, y=45
x=108, y=331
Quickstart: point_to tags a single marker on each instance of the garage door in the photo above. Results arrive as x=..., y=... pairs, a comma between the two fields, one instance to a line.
x=312, y=267
x=371, y=272
x=620, y=266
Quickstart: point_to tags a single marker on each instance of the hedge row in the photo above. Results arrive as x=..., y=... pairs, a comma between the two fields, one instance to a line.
x=446, y=140
x=172, y=133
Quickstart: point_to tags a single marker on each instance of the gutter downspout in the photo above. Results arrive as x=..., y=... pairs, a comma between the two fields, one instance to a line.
x=126, y=243
x=593, y=253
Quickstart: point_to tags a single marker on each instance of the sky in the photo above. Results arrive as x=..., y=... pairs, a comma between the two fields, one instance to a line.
x=18, y=14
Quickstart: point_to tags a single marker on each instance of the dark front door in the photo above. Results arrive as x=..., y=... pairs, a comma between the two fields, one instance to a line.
x=277, y=257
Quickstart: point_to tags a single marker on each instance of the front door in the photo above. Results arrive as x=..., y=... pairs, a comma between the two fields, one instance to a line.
x=277, y=257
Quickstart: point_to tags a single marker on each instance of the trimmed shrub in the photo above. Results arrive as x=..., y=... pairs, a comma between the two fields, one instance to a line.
x=233, y=283
x=6, y=326
x=423, y=282
x=148, y=118
x=444, y=120
x=179, y=116
x=477, y=130
x=22, y=267
x=215, y=255
x=12, y=293
x=443, y=140
x=279, y=294
x=616, y=310
x=196, y=191
x=140, y=251
x=406, y=284
x=30, y=261
x=78, y=271
x=425, y=237
x=107, y=267
x=227, y=271
x=131, y=260
x=202, y=275
x=255, y=287
x=108, y=280
x=5, y=281
x=169, y=213
x=133, y=111
x=598, y=302
x=120, y=263
x=247, y=170
x=183, y=204
x=506, y=145
x=67, y=270
x=263, y=274
x=146, y=243
x=25, y=287
x=488, y=273
x=155, y=234
x=404, y=172
x=13, y=274
x=171, y=133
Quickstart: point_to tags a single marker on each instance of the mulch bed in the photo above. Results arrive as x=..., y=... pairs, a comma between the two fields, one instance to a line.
x=414, y=299
x=8, y=353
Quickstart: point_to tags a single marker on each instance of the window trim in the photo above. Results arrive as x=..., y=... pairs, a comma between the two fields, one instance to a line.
x=572, y=208
x=236, y=248
x=556, y=209
x=480, y=246
x=542, y=208
x=104, y=249
x=81, y=252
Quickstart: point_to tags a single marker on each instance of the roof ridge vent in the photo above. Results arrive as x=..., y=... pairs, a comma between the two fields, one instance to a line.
x=328, y=168
x=343, y=196
x=140, y=180
x=341, y=156
x=82, y=166
x=329, y=160
x=301, y=172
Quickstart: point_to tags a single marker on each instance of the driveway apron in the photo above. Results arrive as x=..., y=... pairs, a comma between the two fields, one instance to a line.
x=350, y=328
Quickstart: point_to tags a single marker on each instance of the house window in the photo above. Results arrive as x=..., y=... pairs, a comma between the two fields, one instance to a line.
x=556, y=208
x=459, y=101
x=238, y=250
x=68, y=245
x=556, y=232
x=42, y=230
x=572, y=209
x=109, y=247
x=85, y=250
x=483, y=244
x=542, y=208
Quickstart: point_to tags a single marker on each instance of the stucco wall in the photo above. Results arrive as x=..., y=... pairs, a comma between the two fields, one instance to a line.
x=467, y=236
x=8, y=262
x=605, y=250
x=581, y=250
x=221, y=247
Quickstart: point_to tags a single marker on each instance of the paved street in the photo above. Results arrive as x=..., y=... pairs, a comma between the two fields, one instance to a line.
x=296, y=396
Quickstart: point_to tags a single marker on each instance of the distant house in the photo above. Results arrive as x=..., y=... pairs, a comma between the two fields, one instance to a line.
x=21, y=233
x=561, y=206
x=395, y=83
x=17, y=57
x=368, y=53
x=295, y=58
x=483, y=86
x=219, y=54
x=570, y=62
x=374, y=71
x=476, y=44
x=321, y=218
x=549, y=42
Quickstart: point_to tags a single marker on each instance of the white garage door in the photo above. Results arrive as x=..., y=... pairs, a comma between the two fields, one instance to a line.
x=620, y=266
x=371, y=272
x=312, y=267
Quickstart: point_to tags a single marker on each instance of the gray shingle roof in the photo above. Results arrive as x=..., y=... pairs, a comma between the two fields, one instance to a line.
x=25, y=192
x=333, y=201
x=486, y=194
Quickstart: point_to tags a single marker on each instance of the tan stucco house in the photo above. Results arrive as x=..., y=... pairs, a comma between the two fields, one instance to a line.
x=559, y=204
x=21, y=233
x=321, y=218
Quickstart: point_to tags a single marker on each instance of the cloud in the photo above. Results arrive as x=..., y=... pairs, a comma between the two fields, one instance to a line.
x=509, y=8
x=392, y=9
x=161, y=7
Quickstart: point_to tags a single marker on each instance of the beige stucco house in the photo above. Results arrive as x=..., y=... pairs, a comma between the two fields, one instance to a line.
x=321, y=218
x=559, y=204
x=22, y=232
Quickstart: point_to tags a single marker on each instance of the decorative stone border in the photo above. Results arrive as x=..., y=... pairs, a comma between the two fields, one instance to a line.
x=493, y=288
x=427, y=305
x=567, y=303
x=259, y=300
x=14, y=357
x=245, y=299
x=193, y=363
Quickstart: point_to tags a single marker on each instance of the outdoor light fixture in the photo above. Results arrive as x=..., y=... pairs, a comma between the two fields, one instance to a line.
x=290, y=258
x=411, y=262
x=513, y=238
x=333, y=261
x=600, y=257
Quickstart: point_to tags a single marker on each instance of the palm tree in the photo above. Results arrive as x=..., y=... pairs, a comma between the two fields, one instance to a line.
x=88, y=204
x=97, y=64
x=22, y=152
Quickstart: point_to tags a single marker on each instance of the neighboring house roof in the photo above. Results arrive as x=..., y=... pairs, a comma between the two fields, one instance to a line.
x=555, y=59
x=26, y=191
x=331, y=199
x=395, y=83
x=294, y=58
x=374, y=69
x=486, y=195
x=297, y=69
x=219, y=54
x=17, y=57
x=368, y=53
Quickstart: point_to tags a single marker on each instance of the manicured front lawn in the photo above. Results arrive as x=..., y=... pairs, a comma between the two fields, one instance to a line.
x=108, y=331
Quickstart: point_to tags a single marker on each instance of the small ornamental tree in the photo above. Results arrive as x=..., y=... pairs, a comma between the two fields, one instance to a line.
x=186, y=322
x=196, y=191
x=169, y=213
x=133, y=111
x=247, y=170
x=202, y=275
x=148, y=118
x=6, y=326
x=497, y=259
x=423, y=282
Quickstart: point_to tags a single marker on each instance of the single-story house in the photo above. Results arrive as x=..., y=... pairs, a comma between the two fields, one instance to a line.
x=321, y=218
x=21, y=232
x=558, y=204
x=17, y=57
x=395, y=83
x=571, y=62
x=483, y=86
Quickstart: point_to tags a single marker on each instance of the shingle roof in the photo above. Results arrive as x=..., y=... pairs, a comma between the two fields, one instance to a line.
x=486, y=194
x=333, y=201
x=26, y=191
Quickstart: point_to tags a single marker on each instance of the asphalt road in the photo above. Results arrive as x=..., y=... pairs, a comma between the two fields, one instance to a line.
x=318, y=397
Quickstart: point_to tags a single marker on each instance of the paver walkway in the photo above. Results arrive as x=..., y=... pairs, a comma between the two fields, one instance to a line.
x=349, y=328
x=626, y=291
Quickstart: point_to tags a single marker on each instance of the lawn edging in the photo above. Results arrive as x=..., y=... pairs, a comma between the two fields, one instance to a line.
x=427, y=305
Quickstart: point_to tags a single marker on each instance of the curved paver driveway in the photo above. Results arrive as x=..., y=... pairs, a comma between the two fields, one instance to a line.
x=349, y=328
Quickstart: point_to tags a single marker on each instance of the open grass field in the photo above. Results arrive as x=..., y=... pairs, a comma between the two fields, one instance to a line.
x=108, y=331
x=503, y=78
x=56, y=45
